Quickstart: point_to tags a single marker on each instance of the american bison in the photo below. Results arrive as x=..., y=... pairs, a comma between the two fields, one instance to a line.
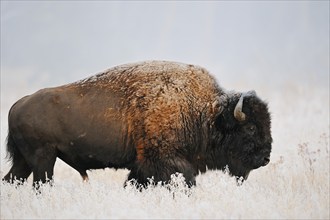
x=155, y=118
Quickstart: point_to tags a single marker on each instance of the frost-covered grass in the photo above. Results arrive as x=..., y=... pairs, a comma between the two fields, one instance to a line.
x=294, y=185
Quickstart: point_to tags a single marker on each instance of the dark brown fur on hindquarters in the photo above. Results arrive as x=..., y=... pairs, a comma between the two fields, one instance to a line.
x=155, y=118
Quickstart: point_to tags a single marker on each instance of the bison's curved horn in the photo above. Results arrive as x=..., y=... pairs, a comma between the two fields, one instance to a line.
x=238, y=113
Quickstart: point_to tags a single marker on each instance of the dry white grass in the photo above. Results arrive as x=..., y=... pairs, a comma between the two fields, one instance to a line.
x=294, y=185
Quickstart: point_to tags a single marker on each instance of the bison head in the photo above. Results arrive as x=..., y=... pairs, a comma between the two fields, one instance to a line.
x=245, y=134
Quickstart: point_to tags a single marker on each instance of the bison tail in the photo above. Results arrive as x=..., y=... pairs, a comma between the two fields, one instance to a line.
x=12, y=151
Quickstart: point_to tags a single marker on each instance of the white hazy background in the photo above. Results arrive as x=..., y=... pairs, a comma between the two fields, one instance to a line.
x=278, y=48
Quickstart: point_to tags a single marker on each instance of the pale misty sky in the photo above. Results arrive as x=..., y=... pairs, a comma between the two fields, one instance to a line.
x=49, y=43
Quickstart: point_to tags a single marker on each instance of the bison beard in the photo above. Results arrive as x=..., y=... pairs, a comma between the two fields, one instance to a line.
x=155, y=118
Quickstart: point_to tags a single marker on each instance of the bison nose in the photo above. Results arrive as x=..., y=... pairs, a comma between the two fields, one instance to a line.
x=266, y=160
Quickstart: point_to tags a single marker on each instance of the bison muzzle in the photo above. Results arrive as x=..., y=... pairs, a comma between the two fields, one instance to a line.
x=155, y=118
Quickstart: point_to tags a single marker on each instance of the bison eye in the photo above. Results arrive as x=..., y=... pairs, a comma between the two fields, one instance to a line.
x=250, y=129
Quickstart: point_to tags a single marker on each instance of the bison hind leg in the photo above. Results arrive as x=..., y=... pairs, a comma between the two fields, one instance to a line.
x=42, y=164
x=161, y=171
x=20, y=169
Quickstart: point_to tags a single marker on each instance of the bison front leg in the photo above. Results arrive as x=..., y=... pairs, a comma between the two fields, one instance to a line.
x=161, y=171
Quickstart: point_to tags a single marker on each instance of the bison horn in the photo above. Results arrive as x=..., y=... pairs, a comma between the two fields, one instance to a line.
x=238, y=113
